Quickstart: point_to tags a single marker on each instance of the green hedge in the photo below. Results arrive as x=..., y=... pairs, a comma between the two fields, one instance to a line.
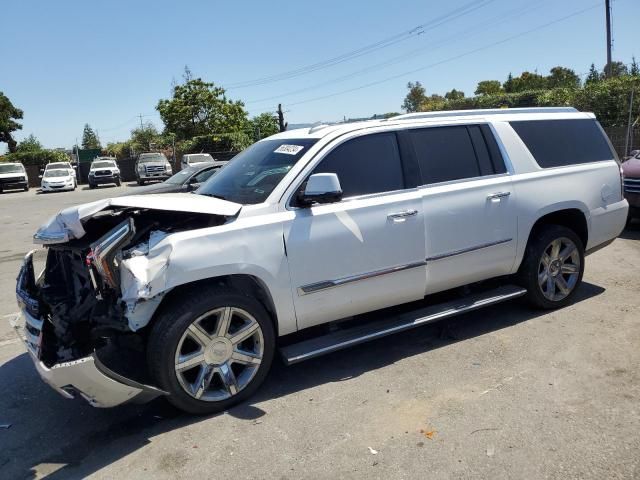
x=608, y=99
x=40, y=157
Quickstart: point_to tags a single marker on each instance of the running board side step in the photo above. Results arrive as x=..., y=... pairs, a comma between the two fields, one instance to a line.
x=348, y=337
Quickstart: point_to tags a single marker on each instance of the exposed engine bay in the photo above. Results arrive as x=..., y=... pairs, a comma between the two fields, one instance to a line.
x=94, y=290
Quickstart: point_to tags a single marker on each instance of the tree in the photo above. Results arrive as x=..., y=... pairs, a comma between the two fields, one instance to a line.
x=634, y=70
x=561, y=77
x=488, y=87
x=415, y=98
x=528, y=81
x=593, y=77
x=433, y=102
x=508, y=85
x=144, y=136
x=265, y=125
x=454, y=95
x=200, y=108
x=8, y=116
x=616, y=69
x=90, y=139
x=29, y=144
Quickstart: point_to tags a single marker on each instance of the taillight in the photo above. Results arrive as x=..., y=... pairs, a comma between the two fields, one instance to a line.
x=621, y=182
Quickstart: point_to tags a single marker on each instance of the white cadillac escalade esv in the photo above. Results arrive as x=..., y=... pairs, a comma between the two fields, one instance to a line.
x=190, y=295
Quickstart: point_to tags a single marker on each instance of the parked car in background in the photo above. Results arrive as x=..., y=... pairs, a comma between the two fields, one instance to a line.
x=190, y=159
x=631, y=171
x=13, y=176
x=310, y=227
x=58, y=179
x=186, y=180
x=152, y=166
x=104, y=170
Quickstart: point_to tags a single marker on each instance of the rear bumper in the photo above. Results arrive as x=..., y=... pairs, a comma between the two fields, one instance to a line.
x=87, y=377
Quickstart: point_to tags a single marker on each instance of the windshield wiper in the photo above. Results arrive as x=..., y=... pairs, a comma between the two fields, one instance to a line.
x=221, y=197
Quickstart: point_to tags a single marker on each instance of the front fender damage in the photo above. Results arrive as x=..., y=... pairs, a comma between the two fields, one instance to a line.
x=143, y=278
x=106, y=273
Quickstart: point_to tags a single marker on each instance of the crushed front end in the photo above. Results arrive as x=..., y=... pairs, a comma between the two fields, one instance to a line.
x=82, y=319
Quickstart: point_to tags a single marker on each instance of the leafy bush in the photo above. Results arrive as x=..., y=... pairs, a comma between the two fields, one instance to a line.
x=40, y=157
x=608, y=99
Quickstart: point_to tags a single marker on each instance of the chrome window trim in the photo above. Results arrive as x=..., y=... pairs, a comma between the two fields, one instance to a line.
x=327, y=284
x=467, y=250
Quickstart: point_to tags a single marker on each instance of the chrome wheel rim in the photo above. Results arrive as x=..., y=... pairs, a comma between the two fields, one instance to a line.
x=219, y=353
x=559, y=269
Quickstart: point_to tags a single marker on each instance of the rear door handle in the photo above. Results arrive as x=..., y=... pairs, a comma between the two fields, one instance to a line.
x=498, y=195
x=403, y=214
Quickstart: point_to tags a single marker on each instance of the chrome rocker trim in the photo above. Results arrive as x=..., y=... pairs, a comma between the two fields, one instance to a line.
x=327, y=284
x=467, y=250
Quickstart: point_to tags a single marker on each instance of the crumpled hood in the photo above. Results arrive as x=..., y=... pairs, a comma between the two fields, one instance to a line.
x=631, y=168
x=67, y=224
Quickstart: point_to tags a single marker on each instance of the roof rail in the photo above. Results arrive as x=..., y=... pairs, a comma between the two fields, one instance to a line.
x=315, y=128
x=486, y=111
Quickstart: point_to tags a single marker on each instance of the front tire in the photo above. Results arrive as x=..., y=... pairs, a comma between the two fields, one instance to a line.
x=553, y=266
x=211, y=349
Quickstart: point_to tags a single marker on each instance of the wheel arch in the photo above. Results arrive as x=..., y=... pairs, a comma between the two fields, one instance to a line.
x=572, y=216
x=247, y=284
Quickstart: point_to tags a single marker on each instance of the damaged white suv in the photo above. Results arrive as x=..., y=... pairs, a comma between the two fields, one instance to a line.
x=190, y=295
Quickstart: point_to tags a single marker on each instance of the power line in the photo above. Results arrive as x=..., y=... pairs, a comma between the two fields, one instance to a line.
x=412, y=53
x=418, y=30
x=465, y=54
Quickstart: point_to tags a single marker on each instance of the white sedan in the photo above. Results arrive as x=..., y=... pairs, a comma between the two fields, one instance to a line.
x=58, y=179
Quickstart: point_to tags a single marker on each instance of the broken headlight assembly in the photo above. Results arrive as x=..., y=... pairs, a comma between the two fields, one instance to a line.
x=103, y=257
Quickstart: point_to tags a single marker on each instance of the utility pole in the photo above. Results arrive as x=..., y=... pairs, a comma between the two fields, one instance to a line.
x=607, y=68
x=281, y=123
x=140, y=115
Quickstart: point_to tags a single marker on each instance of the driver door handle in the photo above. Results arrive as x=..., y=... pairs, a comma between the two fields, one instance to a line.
x=498, y=195
x=403, y=214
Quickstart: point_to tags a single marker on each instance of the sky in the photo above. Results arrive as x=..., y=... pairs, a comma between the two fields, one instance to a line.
x=68, y=63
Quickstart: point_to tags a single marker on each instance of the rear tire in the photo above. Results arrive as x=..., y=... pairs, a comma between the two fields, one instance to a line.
x=552, y=267
x=198, y=353
x=92, y=186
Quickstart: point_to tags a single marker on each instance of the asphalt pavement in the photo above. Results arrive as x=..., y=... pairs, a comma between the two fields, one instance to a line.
x=504, y=392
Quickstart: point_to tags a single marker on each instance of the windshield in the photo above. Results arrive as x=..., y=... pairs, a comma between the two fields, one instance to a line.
x=56, y=173
x=152, y=157
x=181, y=177
x=253, y=174
x=199, y=158
x=58, y=165
x=12, y=168
x=105, y=164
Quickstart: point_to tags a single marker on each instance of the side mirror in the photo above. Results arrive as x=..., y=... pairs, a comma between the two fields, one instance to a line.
x=193, y=186
x=321, y=188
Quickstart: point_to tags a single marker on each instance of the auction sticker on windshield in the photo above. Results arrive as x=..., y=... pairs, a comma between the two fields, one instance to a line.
x=288, y=149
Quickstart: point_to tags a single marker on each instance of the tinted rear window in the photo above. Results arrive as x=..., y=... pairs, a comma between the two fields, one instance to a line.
x=557, y=143
x=445, y=153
